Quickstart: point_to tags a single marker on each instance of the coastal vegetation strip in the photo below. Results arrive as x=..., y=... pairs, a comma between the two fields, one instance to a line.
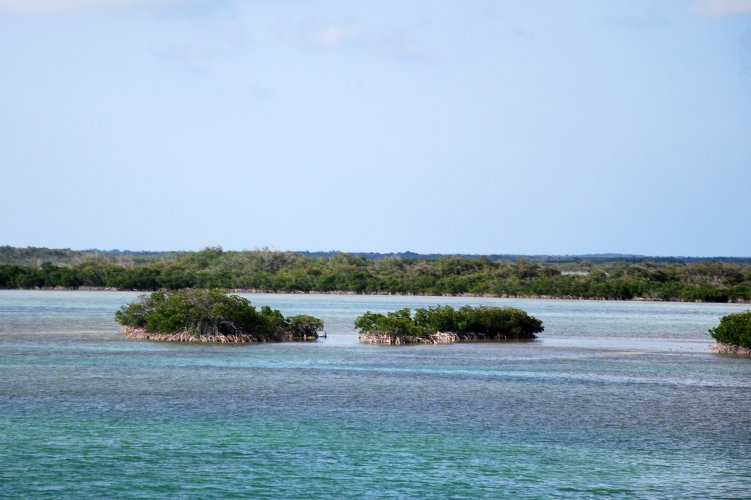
x=201, y=315
x=733, y=334
x=270, y=271
x=444, y=324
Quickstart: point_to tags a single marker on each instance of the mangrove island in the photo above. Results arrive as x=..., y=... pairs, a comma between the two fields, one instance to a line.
x=444, y=324
x=211, y=315
x=733, y=334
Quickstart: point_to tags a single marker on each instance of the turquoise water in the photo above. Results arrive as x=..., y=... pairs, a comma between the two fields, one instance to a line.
x=620, y=399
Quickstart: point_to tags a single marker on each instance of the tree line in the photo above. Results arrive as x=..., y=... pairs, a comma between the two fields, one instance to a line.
x=273, y=271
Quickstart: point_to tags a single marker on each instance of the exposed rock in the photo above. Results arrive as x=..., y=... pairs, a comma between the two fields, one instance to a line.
x=186, y=336
x=721, y=348
x=433, y=338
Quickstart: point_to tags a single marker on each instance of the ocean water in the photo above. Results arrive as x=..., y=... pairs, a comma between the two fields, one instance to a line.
x=617, y=399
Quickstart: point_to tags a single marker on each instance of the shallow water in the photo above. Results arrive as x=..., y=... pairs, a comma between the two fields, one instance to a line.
x=617, y=398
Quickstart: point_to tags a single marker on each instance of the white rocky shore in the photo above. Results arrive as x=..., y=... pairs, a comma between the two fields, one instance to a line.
x=433, y=338
x=721, y=348
x=185, y=336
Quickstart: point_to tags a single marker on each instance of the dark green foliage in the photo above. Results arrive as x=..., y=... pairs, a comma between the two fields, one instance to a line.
x=734, y=329
x=488, y=322
x=397, y=323
x=304, y=325
x=286, y=272
x=211, y=312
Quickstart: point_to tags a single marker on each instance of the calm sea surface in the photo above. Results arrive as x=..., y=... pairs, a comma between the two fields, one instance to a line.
x=620, y=399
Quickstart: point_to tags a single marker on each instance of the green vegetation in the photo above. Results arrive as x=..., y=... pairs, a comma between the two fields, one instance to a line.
x=466, y=323
x=211, y=315
x=734, y=329
x=621, y=277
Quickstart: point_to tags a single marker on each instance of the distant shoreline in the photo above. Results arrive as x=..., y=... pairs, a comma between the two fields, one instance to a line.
x=264, y=271
x=394, y=294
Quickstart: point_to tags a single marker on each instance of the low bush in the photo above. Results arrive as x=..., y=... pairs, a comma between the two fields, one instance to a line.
x=211, y=312
x=487, y=322
x=734, y=329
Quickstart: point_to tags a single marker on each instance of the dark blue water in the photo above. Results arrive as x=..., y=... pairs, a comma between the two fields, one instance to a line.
x=620, y=399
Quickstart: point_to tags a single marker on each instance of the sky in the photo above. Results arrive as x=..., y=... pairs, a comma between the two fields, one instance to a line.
x=517, y=127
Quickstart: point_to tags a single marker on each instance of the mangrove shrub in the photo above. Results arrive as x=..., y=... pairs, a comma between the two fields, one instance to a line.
x=204, y=312
x=734, y=329
x=484, y=322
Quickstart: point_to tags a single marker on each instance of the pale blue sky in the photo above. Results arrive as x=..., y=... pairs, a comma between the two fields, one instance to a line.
x=433, y=126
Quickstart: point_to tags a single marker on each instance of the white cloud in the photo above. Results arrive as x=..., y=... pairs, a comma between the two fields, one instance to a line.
x=198, y=55
x=61, y=6
x=330, y=36
x=722, y=8
x=383, y=42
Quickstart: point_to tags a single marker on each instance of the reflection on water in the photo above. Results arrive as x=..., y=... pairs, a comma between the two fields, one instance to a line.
x=617, y=398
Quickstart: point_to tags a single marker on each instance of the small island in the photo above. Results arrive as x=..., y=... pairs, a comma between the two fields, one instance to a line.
x=201, y=315
x=444, y=324
x=733, y=334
